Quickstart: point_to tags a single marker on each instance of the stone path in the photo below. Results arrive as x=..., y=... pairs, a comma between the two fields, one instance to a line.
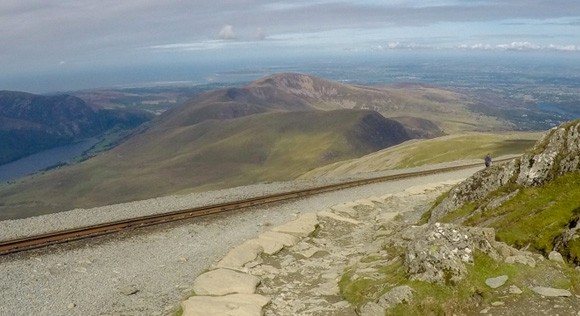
x=298, y=265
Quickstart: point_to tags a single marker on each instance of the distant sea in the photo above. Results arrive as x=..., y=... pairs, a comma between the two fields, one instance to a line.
x=44, y=160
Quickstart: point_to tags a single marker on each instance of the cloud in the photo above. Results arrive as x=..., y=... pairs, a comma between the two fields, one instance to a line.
x=520, y=46
x=260, y=34
x=227, y=33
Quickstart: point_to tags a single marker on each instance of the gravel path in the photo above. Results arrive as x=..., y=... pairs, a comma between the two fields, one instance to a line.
x=158, y=264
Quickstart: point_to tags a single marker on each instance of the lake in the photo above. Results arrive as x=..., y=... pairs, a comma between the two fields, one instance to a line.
x=43, y=160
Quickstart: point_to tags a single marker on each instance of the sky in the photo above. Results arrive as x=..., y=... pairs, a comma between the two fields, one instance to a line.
x=70, y=44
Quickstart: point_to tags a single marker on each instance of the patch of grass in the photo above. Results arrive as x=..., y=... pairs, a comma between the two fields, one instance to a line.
x=537, y=216
x=466, y=296
x=178, y=311
x=460, y=213
x=427, y=215
x=358, y=290
x=473, y=146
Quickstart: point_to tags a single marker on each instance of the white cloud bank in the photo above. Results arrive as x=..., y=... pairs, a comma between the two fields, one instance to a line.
x=227, y=33
x=520, y=46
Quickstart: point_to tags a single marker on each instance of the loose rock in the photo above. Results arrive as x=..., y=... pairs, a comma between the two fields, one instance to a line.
x=496, y=282
x=555, y=256
x=128, y=290
x=397, y=295
x=550, y=292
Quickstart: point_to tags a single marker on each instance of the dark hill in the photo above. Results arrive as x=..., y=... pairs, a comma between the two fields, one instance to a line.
x=30, y=123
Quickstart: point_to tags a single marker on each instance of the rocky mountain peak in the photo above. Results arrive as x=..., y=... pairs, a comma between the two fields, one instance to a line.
x=299, y=84
x=555, y=154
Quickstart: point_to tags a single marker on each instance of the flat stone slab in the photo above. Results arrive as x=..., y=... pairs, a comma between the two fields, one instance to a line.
x=235, y=304
x=496, y=282
x=270, y=246
x=386, y=217
x=224, y=281
x=550, y=292
x=303, y=226
x=365, y=202
x=285, y=239
x=338, y=217
x=346, y=208
x=240, y=255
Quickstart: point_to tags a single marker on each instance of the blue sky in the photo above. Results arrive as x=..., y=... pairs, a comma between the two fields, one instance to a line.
x=42, y=41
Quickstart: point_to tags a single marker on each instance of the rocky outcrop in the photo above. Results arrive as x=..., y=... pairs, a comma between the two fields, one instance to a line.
x=440, y=252
x=556, y=154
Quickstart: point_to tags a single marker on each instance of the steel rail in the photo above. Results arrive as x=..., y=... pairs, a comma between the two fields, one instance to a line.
x=43, y=240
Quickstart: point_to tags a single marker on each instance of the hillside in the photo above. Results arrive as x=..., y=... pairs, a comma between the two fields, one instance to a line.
x=503, y=242
x=31, y=123
x=274, y=129
x=542, y=183
x=214, y=154
x=416, y=106
x=415, y=153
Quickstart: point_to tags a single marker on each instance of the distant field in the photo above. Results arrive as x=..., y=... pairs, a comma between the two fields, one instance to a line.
x=432, y=151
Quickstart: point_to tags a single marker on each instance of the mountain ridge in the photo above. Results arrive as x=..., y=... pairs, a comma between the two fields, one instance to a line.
x=274, y=129
x=293, y=92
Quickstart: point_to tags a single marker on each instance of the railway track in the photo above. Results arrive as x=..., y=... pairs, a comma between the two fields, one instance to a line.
x=43, y=240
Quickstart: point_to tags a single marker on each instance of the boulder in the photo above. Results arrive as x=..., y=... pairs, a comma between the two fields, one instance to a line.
x=371, y=309
x=395, y=296
x=439, y=255
x=555, y=256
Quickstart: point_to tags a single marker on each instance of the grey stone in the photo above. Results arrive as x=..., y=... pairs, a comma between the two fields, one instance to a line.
x=555, y=256
x=550, y=292
x=128, y=290
x=496, y=282
x=225, y=281
x=440, y=253
x=395, y=296
x=521, y=259
x=514, y=290
x=371, y=309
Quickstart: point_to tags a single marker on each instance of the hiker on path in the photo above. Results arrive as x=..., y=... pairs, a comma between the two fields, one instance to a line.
x=487, y=160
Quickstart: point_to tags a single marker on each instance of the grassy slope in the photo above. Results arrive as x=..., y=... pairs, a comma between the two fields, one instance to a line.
x=209, y=155
x=432, y=151
x=535, y=217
